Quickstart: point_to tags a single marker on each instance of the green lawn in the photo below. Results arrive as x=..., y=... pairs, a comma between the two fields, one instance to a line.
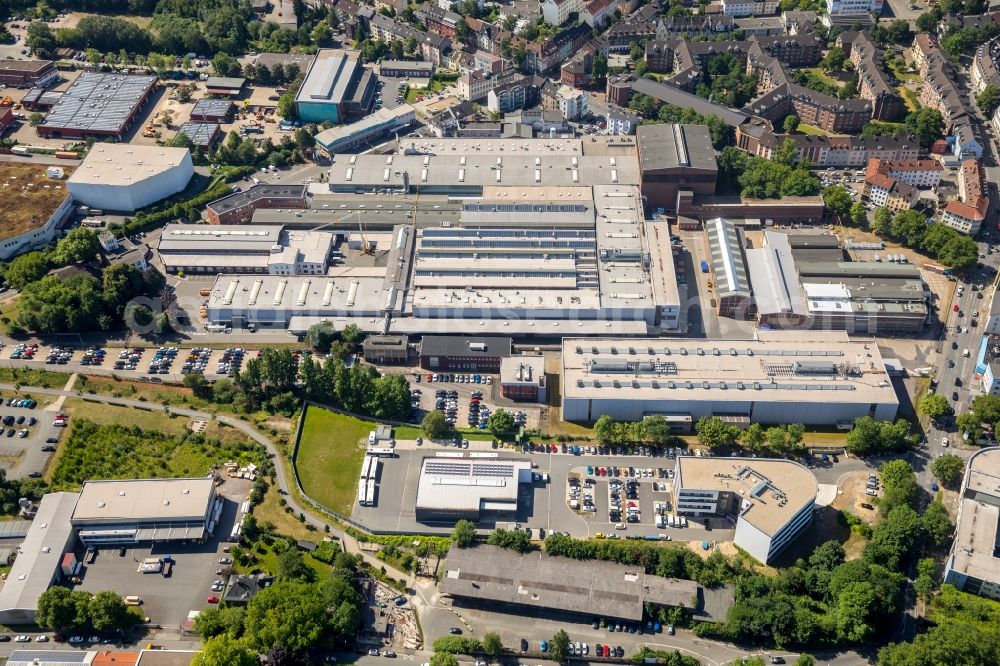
x=818, y=71
x=909, y=98
x=331, y=449
x=809, y=129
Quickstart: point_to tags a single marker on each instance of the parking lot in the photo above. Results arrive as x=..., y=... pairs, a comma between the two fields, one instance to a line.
x=29, y=436
x=542, y=506
x=167, y=600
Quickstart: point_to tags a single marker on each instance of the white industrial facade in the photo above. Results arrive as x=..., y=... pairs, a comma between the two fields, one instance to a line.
x=808, y=377
x=974, y=562
x=124, y=177
x=769, y=501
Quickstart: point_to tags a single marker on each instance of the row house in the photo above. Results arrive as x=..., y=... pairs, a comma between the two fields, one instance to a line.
x=440, y=21
x=547, y=55
x=941, y=89
x=963, y=141
x=477, y=84
x=873, y=83
x=917, y=173
x=576, y=72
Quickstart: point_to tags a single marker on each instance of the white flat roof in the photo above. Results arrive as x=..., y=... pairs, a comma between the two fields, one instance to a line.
x=466, y=483
x=787, y=366
x=126, y=163
x=144, y=499
x=976, y=534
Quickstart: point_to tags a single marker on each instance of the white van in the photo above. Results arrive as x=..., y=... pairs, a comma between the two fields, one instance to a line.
x=965, y=353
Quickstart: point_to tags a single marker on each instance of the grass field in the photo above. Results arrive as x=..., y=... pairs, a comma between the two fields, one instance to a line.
x=156, y=420
x=32, y=377
x=909, y=98
x=809, y=129
x=331, y=449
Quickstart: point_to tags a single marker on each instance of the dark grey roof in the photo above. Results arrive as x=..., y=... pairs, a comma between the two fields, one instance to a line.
x=453, y=345
x=240, y=199
x=678, y=97
x=201, y=134
x=212, y=107
x=594, y=588
x=673, y=146
x=231, y=82
x=99, y=102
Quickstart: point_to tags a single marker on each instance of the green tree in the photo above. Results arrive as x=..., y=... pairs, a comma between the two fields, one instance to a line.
x=791, y=124
x=834, y=59
x=854, y=604
x=859, y=214
x=464, y=534
x=500, y=422
x=952, y=643
x=461, y=30
x=63, y=610
x=224, y=64
x=753, y=437
x=604, y=429
x=559, y=647
x=937, y=523
x=320, y=336
x=214, y=621
x=714, y=433
x=988, y=99
x=291, y=565
x=895, y=538
x=108, y=612
x=224, y=650
x=909, y=226
x=837, y=201
x=288, y=613
x=54, y=305
x=599, y=68
x=34, y=118
x=934, y=406
x=391, y=397
x=927, y=124
x=444, y=659
x=899, y=485
x=805, y=660
x=882, y=222
x=25, y=269
x=959, y=253
x=492, y=645
x=948, y=468
x=80, y=244
x=434, y=425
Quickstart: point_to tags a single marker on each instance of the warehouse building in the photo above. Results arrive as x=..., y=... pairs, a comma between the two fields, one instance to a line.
x=673, y=157
x=37, y=565
x=535, y=581
x=382, y=122
x=98, y=105
x=770, y=501
x=974, y=562
x=734, y=297
x=336, y=88
x=808, y=281
x=240, y=206
x=522, y=378
x=452, y=489
x=202, y=135
x=450, y=353
x=778, y=377
x=225, y=86
x=124, y=177
x=28, y=73
x=212, y=110
x=144, y=510
x=216, y=248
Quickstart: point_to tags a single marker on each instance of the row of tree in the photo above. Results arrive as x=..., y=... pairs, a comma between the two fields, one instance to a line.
x=67, y=611
x=650, y=109
x=760, y=178
x=937, y=240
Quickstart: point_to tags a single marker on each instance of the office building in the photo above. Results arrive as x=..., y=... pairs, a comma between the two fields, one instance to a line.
x=522, y=378
x=770, y=501
x=974, y=561
x=531, y=582
x=125, y=177
x=239, y=207
x=452, y=489
x=274, y=250
x=28, y=73
x=850, y=9
x=337, y=88
x=779, y=377
x=99, y=106
x=448, y=353
x=385, y=349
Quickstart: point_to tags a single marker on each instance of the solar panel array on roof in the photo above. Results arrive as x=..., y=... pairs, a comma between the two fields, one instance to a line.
x=99, y=102
x=201, y=134
x=47, y=657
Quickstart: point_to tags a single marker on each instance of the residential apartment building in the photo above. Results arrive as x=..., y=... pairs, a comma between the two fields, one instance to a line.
x=873, y=83
x=621, y=121
x=740, y=8
x=433, y=47
x=917, y=173
x=623, y=34
x=437, y=20
x=847, y=8
x=548, y=55
x=984, y=70
x=886, y=192
x=964, y=143
x=974, y=561
x=592, y=12
x=941, y=90
x=757, y=137
x=572, y=102
x=968, y=213
x=475, y=85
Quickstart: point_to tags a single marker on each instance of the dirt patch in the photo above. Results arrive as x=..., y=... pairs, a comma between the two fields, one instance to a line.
x=851, y=495
x=727, y=548
x=28, y=197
